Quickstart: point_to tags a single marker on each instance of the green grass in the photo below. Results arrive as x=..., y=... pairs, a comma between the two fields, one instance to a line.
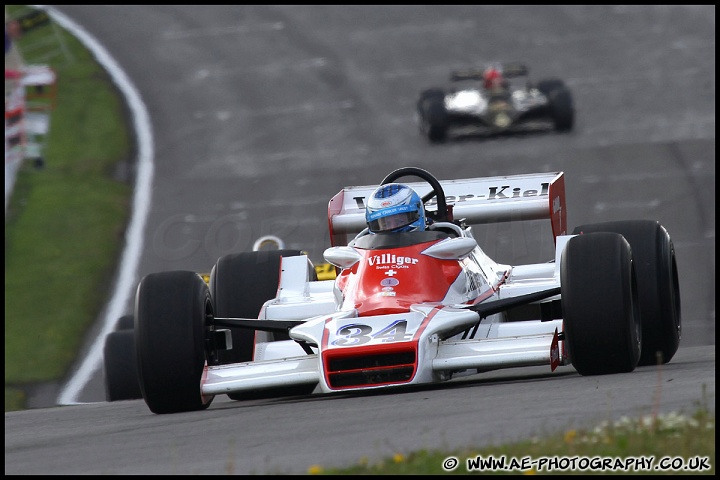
x=688, y=439
x=64, y=231
x=65, y=223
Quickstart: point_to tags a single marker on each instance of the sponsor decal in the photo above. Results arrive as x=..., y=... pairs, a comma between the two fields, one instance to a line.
x=556, y=206
x=499, y=192
x=389, y=282
x=391, y=259
x=554, y=352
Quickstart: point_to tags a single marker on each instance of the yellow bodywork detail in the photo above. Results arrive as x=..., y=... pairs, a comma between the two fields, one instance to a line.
x=325, y=271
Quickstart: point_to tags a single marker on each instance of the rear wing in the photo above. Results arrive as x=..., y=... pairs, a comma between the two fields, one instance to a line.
x=509, y=70
x=474, y=201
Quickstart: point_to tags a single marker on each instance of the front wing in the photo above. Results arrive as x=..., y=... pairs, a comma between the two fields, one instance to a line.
x=423, y=346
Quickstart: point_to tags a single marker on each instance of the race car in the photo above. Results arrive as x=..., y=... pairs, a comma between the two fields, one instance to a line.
x=411, y=309
x=493, y=100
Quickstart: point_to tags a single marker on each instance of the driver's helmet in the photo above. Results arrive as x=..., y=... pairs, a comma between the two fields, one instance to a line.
x=492, y=77
x=395, y=208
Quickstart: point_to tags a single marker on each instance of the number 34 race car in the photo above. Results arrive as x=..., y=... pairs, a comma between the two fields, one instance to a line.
x=410, y=308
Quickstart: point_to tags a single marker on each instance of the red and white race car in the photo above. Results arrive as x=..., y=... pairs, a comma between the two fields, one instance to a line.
x=411, y=308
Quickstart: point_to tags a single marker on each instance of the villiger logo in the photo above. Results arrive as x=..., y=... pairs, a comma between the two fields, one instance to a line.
x=391, y=259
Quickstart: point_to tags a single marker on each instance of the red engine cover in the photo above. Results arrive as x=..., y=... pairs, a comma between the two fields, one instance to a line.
x=390, y=280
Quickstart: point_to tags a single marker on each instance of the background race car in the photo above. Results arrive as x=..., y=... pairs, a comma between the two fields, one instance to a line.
x=492, y=100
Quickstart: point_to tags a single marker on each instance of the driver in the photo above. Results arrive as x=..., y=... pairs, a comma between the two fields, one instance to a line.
x=395, y=208
x=493, y=78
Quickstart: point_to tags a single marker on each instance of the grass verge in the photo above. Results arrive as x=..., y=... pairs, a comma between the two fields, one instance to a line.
x=65, y=222
x=669, y=444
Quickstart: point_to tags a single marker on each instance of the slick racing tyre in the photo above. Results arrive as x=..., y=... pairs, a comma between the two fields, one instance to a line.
x=658, y=286
x=120, y=366
x=171, y=309
x=126, y=322
x=240, y=284
x=434, y=121
x=561, y=108
x=601, y=315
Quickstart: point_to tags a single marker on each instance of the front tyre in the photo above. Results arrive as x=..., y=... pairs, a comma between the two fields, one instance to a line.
x=658, y=285
x=599, y=302
x=434, y=120
x=171, y=309
x=560, y=100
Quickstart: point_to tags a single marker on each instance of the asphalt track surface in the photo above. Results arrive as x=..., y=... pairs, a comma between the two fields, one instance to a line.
x=258, y=115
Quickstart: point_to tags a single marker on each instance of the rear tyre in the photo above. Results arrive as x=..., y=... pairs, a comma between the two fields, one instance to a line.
x=126, y=322
x=170, y=311
x=434, y=119
x=240, y=284
x=599, y=303
x=658, y=286
x=120, y=367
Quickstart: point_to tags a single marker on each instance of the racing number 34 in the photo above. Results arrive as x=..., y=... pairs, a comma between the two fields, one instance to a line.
x=358, y=334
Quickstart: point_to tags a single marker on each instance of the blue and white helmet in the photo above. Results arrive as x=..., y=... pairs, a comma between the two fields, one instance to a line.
x=395, y=208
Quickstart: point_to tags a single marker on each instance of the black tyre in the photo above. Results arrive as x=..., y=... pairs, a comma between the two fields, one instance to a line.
x=434, y=119
x=120, y=367
x=171, y=309
x=599, y=302
x=562, y=110
x=428, y=94
x=126, y=322
x=658, y=285
x=549, y=85
x=240, y=284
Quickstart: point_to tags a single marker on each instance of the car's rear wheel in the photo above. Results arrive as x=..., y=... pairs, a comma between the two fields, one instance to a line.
x=120, y=366
x=126, y=322
x=171, y=311
x=434, y=121
x=240, y=284
x=658, y=285
x=599, y=303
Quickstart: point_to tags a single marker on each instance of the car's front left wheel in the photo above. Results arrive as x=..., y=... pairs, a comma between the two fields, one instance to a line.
x=172, y=311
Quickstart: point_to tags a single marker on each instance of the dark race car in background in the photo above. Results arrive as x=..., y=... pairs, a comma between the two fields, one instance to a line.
x=494, y=100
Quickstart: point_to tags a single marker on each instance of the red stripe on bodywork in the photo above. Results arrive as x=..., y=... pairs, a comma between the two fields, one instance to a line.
x=494, y=288
x=425, y=322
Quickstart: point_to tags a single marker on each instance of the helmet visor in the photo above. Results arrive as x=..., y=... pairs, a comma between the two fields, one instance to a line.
x=393, y=221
